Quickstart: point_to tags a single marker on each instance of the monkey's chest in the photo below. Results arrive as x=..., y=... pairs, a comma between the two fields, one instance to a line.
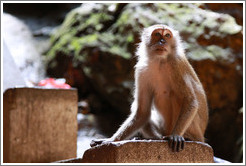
x=167, y=101
x=166, y=96
x=163, y=89
x=169, y=105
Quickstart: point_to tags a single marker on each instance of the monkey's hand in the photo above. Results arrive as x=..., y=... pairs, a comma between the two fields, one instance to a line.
x=176, y=142
x=99, y=142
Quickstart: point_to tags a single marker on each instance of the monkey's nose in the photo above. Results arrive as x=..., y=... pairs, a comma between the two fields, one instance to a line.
x=162, y=41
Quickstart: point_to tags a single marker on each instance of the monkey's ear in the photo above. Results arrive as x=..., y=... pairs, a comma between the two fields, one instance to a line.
x=141, y=33
x=145, y=34
x=144, y=31
x=175, y=33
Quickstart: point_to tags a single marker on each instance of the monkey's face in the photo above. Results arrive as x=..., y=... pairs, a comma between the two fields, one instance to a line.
x=161, y=41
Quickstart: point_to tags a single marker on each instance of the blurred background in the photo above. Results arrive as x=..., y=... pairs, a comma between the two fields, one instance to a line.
x=91, y=47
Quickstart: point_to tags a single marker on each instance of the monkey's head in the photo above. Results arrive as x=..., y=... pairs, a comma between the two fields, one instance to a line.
x=160, y=40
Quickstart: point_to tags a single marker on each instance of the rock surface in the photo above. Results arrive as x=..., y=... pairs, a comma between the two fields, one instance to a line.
x=148, y=152
x=11, y=73
x=22, y=46
x=103, y=46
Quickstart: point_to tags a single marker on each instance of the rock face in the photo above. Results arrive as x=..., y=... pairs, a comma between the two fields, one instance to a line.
x=148, y=152
x=233, y=9
x=11, y=73
x=22, y=46
x=94, y=49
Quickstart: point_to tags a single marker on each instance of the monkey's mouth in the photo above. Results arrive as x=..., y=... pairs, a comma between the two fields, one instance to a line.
x=160, y=49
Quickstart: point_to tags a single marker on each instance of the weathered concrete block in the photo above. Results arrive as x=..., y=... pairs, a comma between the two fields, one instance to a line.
x=39, y=125
x=144, y=151
x=73, y=160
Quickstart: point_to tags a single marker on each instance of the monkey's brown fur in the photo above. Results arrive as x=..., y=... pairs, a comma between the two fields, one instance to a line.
x=169, y=99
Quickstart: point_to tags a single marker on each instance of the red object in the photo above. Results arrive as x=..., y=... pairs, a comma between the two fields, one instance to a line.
x=52, y=83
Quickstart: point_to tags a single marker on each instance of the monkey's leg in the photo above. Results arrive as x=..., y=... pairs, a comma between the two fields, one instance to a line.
x=194, y=132
x=150, y=131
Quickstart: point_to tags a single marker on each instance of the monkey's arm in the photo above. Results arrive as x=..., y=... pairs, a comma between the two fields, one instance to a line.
x=188, y=112
x=140, y=111
x=189, y=108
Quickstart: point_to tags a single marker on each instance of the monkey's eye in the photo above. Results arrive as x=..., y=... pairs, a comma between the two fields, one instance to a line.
x=157, y=34
x=167, y=35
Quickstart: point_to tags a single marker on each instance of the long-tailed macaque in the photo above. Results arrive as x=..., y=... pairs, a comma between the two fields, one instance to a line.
x=169, y=100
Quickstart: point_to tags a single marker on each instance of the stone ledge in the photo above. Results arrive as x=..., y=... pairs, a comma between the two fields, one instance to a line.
x=148, y=151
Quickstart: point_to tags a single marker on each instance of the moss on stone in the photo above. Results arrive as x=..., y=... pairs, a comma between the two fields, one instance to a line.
x=218, y=52
x=230, y=26
x=87, y=27
x=211, y=52
x=200, y=53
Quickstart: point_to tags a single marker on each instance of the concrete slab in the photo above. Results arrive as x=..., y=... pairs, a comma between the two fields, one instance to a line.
x=39, y=125
x=148, y=151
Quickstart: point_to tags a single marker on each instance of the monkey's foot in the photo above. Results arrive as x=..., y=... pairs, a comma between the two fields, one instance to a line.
x=99, y=142
x=176, y=142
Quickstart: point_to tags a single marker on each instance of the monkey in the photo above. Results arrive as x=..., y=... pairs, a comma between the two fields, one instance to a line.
x=169, y=100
